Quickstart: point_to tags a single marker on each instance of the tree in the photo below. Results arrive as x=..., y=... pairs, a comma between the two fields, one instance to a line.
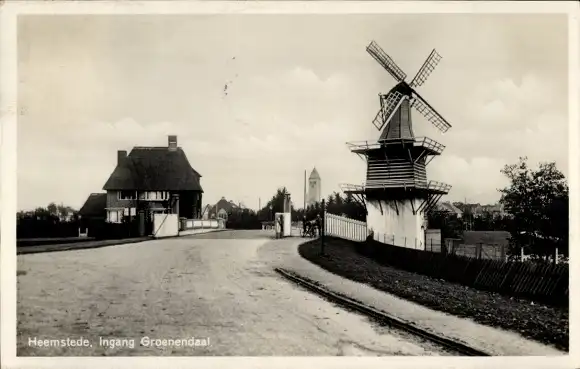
x=47, y=222
x=538, y=202
x=451, y=225
x=275, y=205
x=335, y=204
x=243, y=219
x=52, y=209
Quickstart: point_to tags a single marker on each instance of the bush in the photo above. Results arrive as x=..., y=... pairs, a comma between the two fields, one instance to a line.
x=102, y=230
x=46, y=228
x=244, y=219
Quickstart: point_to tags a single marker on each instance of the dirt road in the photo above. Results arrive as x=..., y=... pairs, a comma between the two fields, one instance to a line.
x=218, y=288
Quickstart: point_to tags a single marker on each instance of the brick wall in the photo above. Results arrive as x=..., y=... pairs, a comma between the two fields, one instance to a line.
x=114, y=202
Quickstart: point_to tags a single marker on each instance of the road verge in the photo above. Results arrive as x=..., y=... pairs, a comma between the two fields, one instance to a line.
x=381, y=316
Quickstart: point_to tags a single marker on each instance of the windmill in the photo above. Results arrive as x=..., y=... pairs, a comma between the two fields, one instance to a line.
x=405, y=92
x=396, y=193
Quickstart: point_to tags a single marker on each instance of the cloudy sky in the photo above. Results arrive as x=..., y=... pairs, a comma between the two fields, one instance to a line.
x=299, y=87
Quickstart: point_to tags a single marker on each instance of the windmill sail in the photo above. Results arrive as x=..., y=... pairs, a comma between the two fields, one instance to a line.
x=426, y=69
x=429, y=113
x=389, y=105
x=386, y=61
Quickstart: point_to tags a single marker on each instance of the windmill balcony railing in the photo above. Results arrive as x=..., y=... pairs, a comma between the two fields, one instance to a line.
x=347, y=187
x=425, y=142
x=439, y=186
x=397, y=183
x=429, y=144
x=363, y=145
x=431, y=185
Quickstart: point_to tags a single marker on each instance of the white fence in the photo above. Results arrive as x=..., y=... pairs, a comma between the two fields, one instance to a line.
x=354, y=230
x=401, y=241
x=202, y=224
x=346, y=228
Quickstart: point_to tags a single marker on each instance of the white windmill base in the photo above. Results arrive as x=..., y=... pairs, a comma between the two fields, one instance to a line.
x=405, y=228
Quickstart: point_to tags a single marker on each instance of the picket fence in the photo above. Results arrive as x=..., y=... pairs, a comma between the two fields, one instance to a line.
x=544, y=282
x=355, y=230
x=401, y=241
x=343, y=227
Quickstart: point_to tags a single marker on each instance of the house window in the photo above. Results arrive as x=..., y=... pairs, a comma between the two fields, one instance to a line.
x=127, y=195
x=130, y=212
x=114, y=216
x=154, y=195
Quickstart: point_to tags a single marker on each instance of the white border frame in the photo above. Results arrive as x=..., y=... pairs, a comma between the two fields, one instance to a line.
x=9, y=10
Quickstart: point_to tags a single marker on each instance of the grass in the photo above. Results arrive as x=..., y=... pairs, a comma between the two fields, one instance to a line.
x=546, y=324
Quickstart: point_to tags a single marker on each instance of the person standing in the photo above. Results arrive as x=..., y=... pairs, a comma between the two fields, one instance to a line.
x=319, y=225
x=281, y=224
x=304, y=224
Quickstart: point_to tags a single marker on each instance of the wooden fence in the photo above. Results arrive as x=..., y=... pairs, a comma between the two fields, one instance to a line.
x=343, y=227
x=479, y=251
x=544, y=282
x=547, y=282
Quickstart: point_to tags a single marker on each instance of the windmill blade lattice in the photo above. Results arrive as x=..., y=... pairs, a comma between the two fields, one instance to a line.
x=426, y=69
x=386, y=61
x=429, y=113
x=389, y=105
x=379, y=120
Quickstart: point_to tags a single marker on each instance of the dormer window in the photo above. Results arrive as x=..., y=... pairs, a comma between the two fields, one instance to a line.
x=127, y=195
x=154, y=195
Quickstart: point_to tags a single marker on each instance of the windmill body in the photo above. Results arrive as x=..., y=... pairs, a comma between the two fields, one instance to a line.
x=396, y=193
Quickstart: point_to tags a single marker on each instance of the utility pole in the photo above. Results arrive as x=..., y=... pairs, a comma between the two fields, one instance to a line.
x=305, y=191
x=322, y=228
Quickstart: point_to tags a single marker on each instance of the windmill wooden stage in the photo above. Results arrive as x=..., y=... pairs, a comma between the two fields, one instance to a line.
x=396, y=193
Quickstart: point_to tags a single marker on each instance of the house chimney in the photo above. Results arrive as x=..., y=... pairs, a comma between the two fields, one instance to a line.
x=172, y=142
x=121, y=156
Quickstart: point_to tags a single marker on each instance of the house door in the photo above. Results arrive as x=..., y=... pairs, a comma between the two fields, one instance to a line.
x=145, y=223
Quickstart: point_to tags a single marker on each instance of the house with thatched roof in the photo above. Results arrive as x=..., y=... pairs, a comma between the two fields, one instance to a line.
x=94, y=209
x=153, y=180
x=94, y=206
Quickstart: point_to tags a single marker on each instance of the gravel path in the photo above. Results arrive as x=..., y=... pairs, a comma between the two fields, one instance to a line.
x=492, y=340
x=219, y=288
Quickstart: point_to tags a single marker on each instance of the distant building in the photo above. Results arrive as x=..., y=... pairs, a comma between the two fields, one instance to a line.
x=221, y=209
x=478, y=210
x=65, y=213
x=448, y=207
x=496, y=210
x=314, y=188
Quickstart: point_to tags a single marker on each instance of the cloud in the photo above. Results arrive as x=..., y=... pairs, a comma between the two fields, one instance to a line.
x=102, y=85
x=505, y=101
x=504, y=119
x=476, y=179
